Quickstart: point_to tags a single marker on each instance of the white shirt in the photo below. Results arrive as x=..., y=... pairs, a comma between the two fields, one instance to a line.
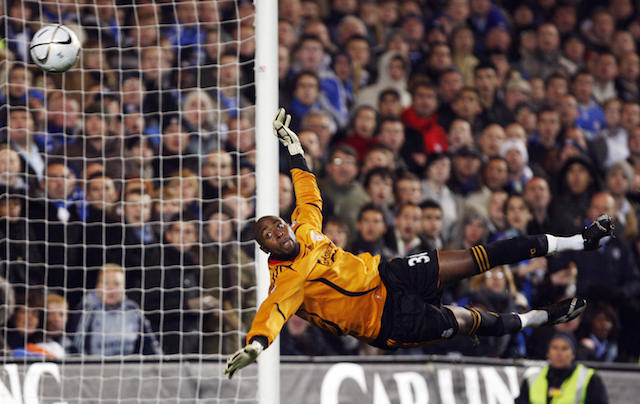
x=33, y=158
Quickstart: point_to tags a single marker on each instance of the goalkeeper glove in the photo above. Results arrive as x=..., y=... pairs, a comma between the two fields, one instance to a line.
x=286, y=136
x=243, y=357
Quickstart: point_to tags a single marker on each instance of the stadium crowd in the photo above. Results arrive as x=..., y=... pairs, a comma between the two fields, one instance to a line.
x=128, y=186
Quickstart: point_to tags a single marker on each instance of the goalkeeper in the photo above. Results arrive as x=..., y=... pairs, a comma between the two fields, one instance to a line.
x=387, y=304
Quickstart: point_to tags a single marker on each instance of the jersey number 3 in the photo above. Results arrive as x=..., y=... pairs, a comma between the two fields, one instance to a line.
x=421, y=258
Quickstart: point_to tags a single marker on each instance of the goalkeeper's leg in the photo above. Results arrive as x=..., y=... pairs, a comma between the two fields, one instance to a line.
x=456, y=265
x=475, y=322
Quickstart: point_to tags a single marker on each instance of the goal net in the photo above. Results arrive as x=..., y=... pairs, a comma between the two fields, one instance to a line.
x=128, y=193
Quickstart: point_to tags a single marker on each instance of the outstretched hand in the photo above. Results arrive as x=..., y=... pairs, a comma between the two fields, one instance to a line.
x=243, y=357
x=287, y=137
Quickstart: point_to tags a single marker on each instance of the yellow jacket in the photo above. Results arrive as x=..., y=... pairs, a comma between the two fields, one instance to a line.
x=324, y=284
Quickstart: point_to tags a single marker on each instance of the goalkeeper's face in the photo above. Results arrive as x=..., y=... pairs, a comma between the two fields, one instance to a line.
x=276, y=237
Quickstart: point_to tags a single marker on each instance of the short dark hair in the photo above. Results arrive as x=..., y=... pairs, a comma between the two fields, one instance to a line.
x=388, y=91
x=430, y=204
x=305, y=73
x=345, y=149
x=403, y=206
x=484, y=66
x=370, y=207
x=383, y=172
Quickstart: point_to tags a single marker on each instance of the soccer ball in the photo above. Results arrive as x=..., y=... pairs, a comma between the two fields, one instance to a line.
x=55, y=48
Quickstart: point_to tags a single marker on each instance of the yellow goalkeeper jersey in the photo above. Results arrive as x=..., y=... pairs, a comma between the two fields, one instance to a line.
x=324, y=284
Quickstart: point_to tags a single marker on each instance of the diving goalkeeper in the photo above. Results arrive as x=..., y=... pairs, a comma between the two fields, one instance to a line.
x=387, y=304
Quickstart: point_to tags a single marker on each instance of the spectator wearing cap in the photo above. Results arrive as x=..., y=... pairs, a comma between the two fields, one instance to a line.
x=465, y=174
x=20, y=126
x=422, y=116
x=341, y=187
x=434, y=187
x=517, y=91
x=591, y=116
x=96, y=143
x=517, y=157
x=548, y=58
x=562, y=378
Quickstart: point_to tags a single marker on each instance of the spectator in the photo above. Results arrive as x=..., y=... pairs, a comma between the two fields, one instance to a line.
x=62, y=121
x=110, y=324
x=517, y=158
x=463, y=58
x=217, y=171
x=465, y=175
x=432, y=224
x=377, y=156
x=286, y=197
x=174, y=154
x=56, y=339
x=494, y=178
x=371, y=228
x=403, y=238
x=408, y=188
x=337, y=231
x=474, y=231
x=20, y=128
x=606, y=71
x=538, y=195
x=491, y=140
x=610, y=272
x=629, y=73
x=578, y=180
x=618, y=181
x=172, y=301
x=543, y=147
x=389, y=104
x=11, y=168
x=321, y=123
x=459, y=135
x=434, y=187
x=467, y=106
x=340, y=186
x=600, y=329
x=422, y=116
x=24, y=329
x=228, y=279
x=485, y=80
x=378, y=184
x=361, y=130
x=7, y=300
x=547, y=59
x=20, y=251
x=591, y=116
